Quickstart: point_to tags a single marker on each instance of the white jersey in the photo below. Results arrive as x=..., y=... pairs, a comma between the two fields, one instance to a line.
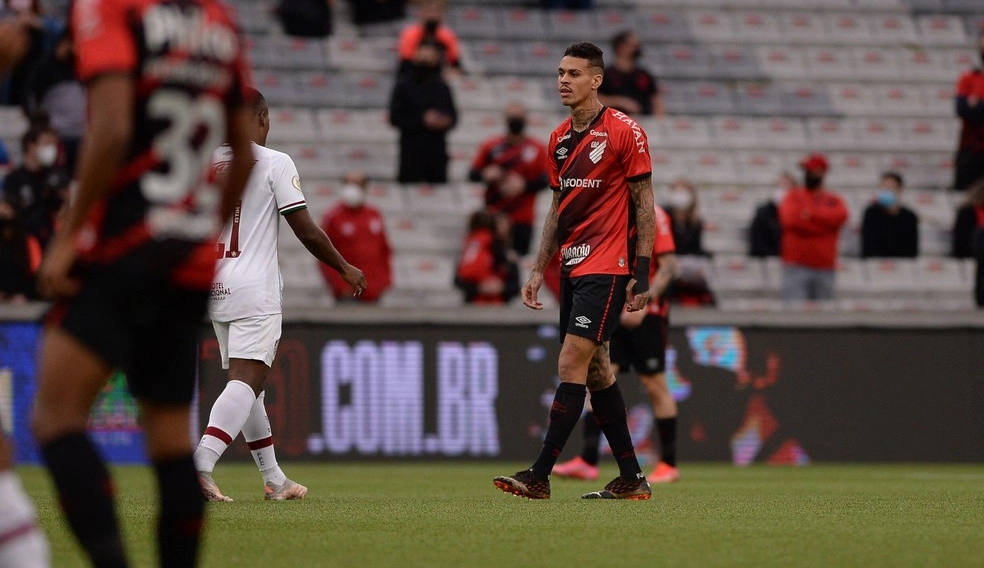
x=247, y=278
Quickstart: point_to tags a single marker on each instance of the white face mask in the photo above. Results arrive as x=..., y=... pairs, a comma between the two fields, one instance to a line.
x=47, y=154
x=352, y=195
x=681, y=199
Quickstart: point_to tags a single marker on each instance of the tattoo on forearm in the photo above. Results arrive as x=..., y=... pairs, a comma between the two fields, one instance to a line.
x=642, y=196
x=548, y=238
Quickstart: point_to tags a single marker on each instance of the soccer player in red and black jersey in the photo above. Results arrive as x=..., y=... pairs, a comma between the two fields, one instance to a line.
x=601, y=216
x=639, y=343
x=131, y=266
x=969, y=101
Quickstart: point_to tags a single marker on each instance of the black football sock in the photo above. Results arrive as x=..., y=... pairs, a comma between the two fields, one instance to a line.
x=609, y=408
x=179, y=525
x=666, y=430
x=86, y=494
x=564, y=413
x=592, y=437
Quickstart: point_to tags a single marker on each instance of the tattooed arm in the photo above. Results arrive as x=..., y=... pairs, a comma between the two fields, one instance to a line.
x=548, y=246
x=641, y=191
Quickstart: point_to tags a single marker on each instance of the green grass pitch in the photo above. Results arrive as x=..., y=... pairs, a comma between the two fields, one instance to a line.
x=450, y=514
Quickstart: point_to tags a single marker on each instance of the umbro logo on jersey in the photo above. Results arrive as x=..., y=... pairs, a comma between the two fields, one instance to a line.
x=561, y=151
x=598, y=152
x=582, y=322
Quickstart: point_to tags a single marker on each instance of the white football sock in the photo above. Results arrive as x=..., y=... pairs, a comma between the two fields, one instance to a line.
x=259, y=436
x=22, y=544
x=228, y=415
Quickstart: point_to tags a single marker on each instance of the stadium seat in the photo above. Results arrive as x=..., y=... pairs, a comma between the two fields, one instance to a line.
x=377, y=161
x=931, y=206
x=735, y=62
x=676, y=97
x=942, y=30
x=687, y=61
x=365, y=54
x=278, y=87
x=730, y=206
x=611, y=22
x=928, y=64
x=891, y=275
x=850, y=279
x=832, y=133
x=758, y=99
x=936, y=275
x=894, y=29
x=668, y=165
x=470, y=22
x=316, y=161
x=427, y=199
x=567, y=26
x=709, y=97
x=497, y=57
x=473, y=93
x=830, y=63
x=758, y=168
x=877, y=63
x=782, y=133
x=369, y=89
x=738, y=275
x=803, y=28
x=663, y=26
x=476, y=126
x=293, y=125
x=320, y=89
x=938, y=99
x=876, y=134
x=529, y=92
x=806, y=99
x=853, y=99
x=681, y=132
x=785, y=62
x=523, y=24
x=959, y=61
x=848, y=28
x=734, y=132
x=928, y=134
x=423, y=271
x=712, y=167
x=852, y=169
x=886, y=5
x=899, y=100
x=757, y=27
x=710, y=26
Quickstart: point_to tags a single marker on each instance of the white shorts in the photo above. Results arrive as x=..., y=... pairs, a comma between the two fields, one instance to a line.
x=249, y=338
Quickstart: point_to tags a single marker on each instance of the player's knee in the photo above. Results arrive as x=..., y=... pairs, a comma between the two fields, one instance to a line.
x=47, y=424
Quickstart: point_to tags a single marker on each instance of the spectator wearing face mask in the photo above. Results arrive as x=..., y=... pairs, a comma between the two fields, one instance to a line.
x=38, y=187
x=688, y=227
x=359, y=234
x=431, y=29
x=513, y=168
x=20, y=257
x=889, y=229
x=626, y=86
x=55, y=92
x=422, y=108
x=811, y=218
x=968, y=166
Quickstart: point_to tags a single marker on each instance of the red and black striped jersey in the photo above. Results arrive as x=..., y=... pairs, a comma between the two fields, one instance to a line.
x=591, y=169
x=186, y=60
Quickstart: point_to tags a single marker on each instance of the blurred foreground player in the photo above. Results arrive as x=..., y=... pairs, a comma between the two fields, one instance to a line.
x=639, y=342
x=133, y=261
x=602, y=215
x=245, y=305
x=22, y=544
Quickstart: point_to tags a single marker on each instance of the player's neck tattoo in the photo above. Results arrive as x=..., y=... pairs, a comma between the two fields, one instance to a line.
x=582, y=117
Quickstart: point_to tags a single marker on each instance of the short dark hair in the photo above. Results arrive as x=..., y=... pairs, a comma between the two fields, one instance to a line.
x=586, y=50
x=33, y=134
x=621, y=37
x=894, y=176
x=255, y=100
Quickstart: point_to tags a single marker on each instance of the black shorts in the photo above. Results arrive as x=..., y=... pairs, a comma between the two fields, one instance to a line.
x=590, y=304
x=140, y=325
x=642, y=348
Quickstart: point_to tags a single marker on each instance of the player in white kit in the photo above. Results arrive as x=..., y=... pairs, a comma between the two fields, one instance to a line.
x=245, y=307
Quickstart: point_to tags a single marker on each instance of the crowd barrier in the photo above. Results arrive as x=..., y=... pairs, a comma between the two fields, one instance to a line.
x=369, y=383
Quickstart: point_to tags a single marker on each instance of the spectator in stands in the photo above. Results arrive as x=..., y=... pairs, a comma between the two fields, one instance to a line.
x=889, y=229
x=41, y=34
x=968, y=235
x=764, y=234
x=20, y=256
x=377, y=11
x=38, y=187
x=688, y=227
x=359, y=234
x=969, y=163
x=306, y=18
x=429, y=28
x=54, y=91
x=626, y=86
x=487, y=270
x=422, y=107
x=513, y=168
x=811, y=218
x=968, y=223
